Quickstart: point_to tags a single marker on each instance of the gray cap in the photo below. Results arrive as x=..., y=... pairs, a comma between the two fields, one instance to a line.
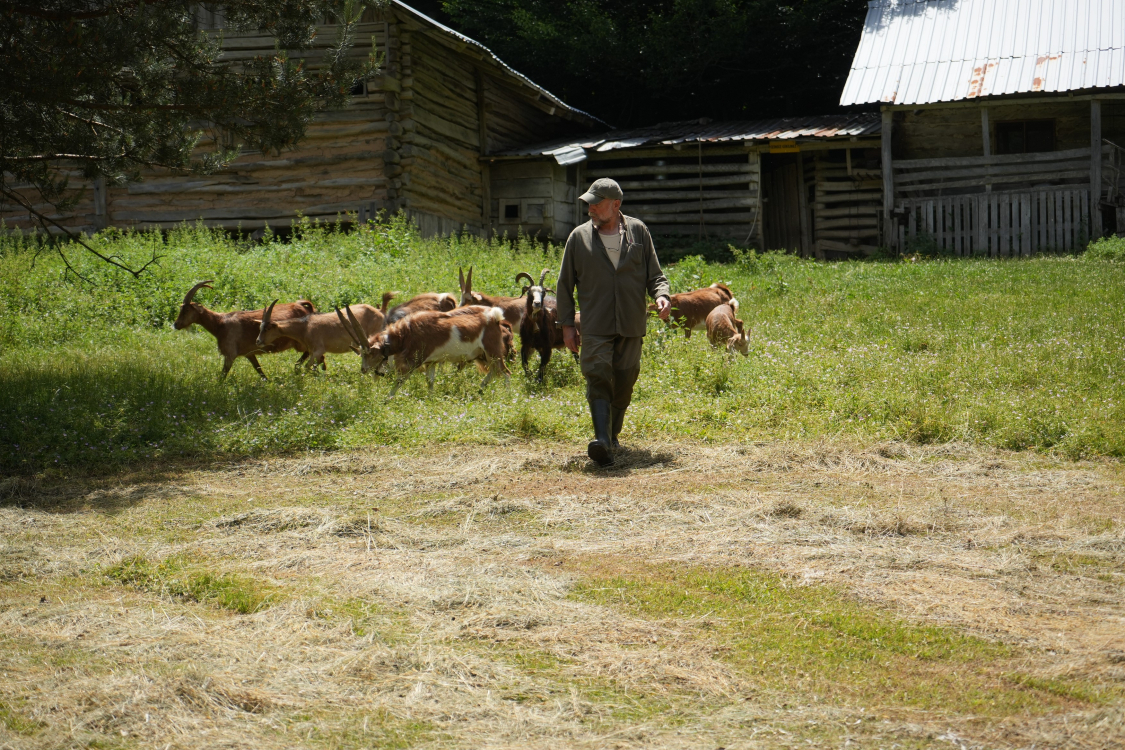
x=601, y=190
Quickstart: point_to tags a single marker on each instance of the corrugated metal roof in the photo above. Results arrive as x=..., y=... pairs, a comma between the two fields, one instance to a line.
x=923, y=51
x=554, y=100
x=705, y=131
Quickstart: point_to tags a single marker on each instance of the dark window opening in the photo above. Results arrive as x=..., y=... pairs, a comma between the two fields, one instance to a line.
x=1025, y=136
x=359, y=88
x=512, y=211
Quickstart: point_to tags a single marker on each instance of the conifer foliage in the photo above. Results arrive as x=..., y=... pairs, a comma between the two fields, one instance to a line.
x=107, y=88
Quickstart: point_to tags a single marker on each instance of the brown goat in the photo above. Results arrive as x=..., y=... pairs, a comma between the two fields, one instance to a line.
x=236, y=332
x=724, y=329
x=425, y=302
x=513, y=307
x=690, y=309
x=539, y=331
x=425, y=339
x=321, y=333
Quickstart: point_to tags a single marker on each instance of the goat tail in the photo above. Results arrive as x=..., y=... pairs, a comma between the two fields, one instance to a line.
x=387, y=297
x=733, y=304
x=494, y=314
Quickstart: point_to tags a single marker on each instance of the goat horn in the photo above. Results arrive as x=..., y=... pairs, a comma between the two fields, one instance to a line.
x=525, y=275
x=196, y=288
x=266, y=317
x=347, y=326
x=360, y=334
x=543, y=276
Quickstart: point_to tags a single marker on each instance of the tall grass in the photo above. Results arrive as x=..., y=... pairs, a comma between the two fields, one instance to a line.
x=1017, y=354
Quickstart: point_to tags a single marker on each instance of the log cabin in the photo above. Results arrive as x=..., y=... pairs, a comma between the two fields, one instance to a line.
x=1003, y=121
x=411, y=140
x=810, y=185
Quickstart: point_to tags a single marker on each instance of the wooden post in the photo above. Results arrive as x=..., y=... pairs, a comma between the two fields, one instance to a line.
x=888, y=166
x=100, y=209
x=1096, y=169
x=485, y=171
x=986, y=138
x=803, y=202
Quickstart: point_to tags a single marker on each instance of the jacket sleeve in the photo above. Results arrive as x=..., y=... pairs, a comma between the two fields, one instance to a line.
x=565, y=292
x=656, y=283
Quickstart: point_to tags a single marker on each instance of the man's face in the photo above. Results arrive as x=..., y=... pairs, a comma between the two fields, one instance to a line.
x=602, y=212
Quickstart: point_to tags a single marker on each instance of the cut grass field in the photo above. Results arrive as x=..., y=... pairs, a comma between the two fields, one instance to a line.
x=899, y=522
x=754, y=596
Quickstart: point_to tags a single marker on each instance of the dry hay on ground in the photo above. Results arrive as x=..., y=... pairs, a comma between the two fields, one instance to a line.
x=424, y=597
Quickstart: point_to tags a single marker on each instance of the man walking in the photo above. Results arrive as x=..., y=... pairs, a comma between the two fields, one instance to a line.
x=612, y=261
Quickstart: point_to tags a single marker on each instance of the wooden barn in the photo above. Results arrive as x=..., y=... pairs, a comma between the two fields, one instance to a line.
x=1003, y=121
x=811, y=185
x=412, y=139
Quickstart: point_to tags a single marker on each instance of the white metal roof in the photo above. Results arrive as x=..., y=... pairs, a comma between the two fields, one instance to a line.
x=922, y=51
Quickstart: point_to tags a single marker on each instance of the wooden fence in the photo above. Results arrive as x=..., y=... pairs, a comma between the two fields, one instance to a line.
x=998, y=225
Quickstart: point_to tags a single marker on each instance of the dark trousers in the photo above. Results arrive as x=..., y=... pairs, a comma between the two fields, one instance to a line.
x=611, y=365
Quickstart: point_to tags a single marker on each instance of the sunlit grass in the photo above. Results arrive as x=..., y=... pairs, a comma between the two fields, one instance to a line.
x=1016, y=354
x=816, y=641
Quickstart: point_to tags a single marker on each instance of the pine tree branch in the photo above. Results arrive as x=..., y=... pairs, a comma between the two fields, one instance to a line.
x=73, y=237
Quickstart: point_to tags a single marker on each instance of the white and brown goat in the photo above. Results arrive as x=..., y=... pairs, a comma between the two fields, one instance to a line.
x=690, y=309
x=513, y=307
x=724, y=329
x=425, y=302
x=472, y=334
x=236, y=332
x=320, y=333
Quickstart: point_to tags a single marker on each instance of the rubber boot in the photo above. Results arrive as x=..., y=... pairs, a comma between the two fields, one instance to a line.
x=617, y=419
x=599, y=448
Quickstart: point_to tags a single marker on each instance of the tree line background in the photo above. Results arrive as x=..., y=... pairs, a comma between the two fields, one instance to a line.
x=640, y=62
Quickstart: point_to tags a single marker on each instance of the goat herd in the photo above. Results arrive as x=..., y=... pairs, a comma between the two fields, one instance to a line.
x=434, y=327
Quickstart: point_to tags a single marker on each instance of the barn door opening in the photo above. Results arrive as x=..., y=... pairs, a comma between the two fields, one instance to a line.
x=781, y=203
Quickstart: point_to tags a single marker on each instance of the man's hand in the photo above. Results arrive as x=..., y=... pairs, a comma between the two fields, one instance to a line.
x=663, y=307
x=570, y=338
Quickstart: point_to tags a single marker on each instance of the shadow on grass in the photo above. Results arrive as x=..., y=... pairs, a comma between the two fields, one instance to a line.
x=77, y=491
x=625, y=461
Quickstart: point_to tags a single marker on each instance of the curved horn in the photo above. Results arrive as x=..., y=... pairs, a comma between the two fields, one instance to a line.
x=266, y=318
x=525, y=275
x=360, y=334
x=196, y=288
x=347, y=326
x=543, y=276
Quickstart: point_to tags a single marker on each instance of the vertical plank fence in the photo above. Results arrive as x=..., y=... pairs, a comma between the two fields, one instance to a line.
x=997, y=225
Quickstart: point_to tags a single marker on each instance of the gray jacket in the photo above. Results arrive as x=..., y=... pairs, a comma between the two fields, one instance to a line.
x=612, y=300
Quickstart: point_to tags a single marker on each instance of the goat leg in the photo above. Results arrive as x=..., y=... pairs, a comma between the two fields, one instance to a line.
x=398, y=383
x=228, y=362
x=257, y=366
x=300, y=361
x=525, y=356
x=544, y=359
x=431, y=371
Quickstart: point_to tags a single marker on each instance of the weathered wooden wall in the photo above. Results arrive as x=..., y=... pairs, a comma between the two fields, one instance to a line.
x=956, y=131
x=412, y=141
x=708, y=191
x=537, y=197
x=848, y=196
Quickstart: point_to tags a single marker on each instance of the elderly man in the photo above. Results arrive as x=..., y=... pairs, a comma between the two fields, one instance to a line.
x=613, y=263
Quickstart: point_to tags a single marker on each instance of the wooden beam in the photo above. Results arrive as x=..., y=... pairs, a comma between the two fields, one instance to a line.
x=1096, y=167
x=986, y=139
x=803, y=204
x=888, y=166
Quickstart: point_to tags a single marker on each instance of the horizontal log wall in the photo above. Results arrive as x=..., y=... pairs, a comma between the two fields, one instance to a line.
x=442, y=181
x=847, y=196
x=973, y=174
x=707, y=193
x=541, y=192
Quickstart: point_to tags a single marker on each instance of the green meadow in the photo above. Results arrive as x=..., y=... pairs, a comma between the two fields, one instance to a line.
x=1017, y=354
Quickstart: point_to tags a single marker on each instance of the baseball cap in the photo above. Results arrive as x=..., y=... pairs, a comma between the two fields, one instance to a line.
x=601, y=190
